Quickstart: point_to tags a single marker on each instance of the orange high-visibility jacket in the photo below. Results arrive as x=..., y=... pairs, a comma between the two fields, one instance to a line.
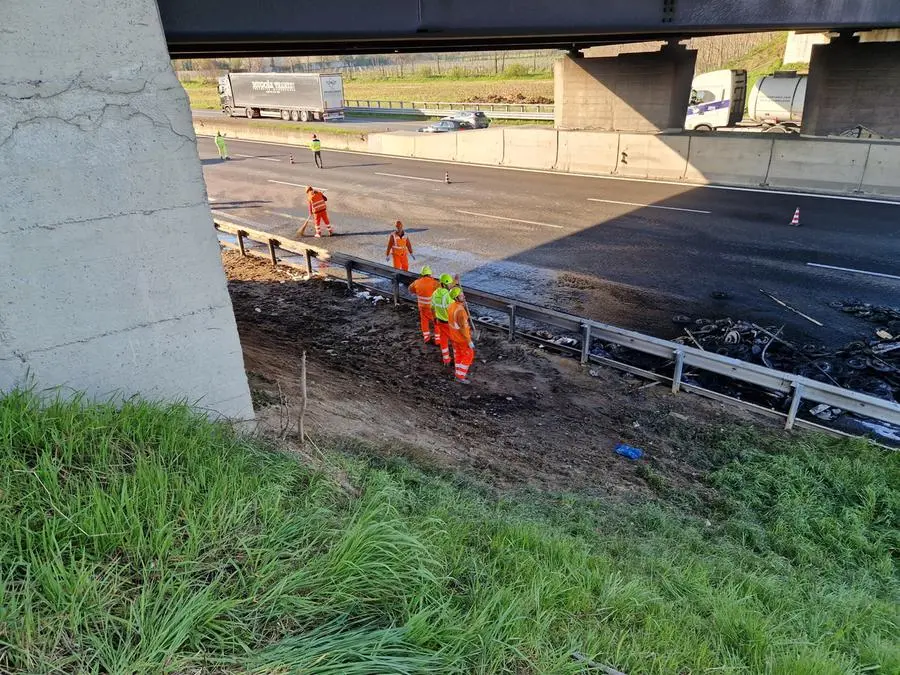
x=317, y=202
x=398, y=246
x=424, y=288
x=459, y=323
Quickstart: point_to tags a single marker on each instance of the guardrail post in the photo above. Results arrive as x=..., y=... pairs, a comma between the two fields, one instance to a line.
x=240, y=237
x=348, y=266
x=679, y=369
x=395, y=284
x=585, y=342
x=308, y=255
x=795, y=405
x=512, y=322
x=273, y=245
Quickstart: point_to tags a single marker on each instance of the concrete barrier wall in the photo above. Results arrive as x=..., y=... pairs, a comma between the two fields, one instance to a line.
x=277, y=133
x=882, y=174
x=826, y=165
x=817, y=165
x=733, y=161
x=436, y=146
x=398, y=143
x=480, y=146
x=652, y=156
x=587, y=152
x=529, y=148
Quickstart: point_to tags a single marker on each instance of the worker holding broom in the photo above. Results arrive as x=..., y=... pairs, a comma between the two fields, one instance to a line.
x=460, y=335
x=318, y=210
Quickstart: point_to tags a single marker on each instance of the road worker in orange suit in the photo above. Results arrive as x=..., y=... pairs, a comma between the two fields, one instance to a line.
x=440, y=303
x=400, y=247
x=318, y=210
x=424, y=287
x=461, y=335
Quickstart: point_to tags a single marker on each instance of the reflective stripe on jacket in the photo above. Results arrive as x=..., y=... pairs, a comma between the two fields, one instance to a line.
x=440, y=303
x=424, y=288
x=317, y=202
x=459, y=323
x=399, y=245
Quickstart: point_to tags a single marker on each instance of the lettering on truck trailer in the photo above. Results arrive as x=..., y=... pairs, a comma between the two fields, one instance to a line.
x=270, y=87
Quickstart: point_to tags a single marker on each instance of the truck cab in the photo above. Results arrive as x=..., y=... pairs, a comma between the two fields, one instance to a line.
x=226, y=97
x=717, y=100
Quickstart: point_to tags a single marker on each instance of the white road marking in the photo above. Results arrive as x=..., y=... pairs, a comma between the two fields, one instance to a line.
x=265, y=159
x=283, y=215
x=646, y=206
x=683, y=184
x=399, y=175
x=299, y=185
x=514, y=220
x=849, y=269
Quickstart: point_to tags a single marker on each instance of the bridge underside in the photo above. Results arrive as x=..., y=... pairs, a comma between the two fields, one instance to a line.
x=287, y=27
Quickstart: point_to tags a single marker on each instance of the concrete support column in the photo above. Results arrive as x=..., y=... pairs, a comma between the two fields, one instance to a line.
x=642, y=92
x=852, y=83
x=110, y=278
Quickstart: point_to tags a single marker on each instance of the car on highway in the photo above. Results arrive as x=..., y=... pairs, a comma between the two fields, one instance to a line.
x=472, y=119
x=443, y=126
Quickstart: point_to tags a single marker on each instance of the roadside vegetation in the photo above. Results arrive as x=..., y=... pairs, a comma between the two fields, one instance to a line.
x=145, y=539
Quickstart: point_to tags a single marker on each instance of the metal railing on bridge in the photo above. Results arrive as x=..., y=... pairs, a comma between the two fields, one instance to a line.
x=791, y=388
x=506, y=111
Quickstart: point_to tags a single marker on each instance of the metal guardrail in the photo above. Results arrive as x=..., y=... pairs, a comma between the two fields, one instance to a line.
x=797, y=387
x=506, y=111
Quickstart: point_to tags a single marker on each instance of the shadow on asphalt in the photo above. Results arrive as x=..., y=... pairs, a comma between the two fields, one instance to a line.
x=249, y=204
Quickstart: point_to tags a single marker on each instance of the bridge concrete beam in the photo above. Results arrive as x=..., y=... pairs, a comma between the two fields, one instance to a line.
x=640, y=92
x=109, y=267
x=852, y=83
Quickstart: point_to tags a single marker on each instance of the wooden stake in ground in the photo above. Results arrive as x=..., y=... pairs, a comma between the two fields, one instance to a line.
x=787, y=306
x=303, y=403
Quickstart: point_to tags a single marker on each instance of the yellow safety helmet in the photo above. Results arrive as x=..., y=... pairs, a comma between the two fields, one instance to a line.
x=456, y=292
x=446, y=279
x=426, y=271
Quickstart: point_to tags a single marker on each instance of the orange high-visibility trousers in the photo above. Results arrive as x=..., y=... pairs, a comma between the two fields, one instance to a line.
x=463, y=355
x=426, y=318
x=442, y=329
x=401, y=261
x=320, y=218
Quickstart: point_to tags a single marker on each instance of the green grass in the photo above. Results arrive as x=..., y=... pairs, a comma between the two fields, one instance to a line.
x=147, y=540
x=762, y=60
x=202, y=94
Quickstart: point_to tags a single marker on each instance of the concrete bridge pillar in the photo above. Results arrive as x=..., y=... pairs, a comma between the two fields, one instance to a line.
x=641, y=92
x=853, y=83
x=110, y=278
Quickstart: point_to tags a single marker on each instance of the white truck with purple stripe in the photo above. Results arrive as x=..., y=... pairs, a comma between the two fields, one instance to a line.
x=718, y=100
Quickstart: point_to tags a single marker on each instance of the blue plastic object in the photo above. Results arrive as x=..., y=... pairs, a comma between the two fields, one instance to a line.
x=629, y=451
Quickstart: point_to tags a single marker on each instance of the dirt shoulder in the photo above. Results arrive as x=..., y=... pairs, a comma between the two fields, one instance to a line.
x=529, y=418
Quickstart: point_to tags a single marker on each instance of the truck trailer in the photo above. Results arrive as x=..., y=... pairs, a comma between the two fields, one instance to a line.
x=718, y=99
x=290, y=96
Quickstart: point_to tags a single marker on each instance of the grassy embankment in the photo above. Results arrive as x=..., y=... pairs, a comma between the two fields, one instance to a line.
x=147, y=540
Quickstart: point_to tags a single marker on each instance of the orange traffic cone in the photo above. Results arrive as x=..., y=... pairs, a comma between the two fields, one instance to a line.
x=292, y=158
x=795, y=221
x=447, y=177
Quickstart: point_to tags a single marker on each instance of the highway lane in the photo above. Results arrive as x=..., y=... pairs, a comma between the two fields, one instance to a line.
x=629, y=252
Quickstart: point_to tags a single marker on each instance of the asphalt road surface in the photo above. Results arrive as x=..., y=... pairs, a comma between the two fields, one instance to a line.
x=631, y=253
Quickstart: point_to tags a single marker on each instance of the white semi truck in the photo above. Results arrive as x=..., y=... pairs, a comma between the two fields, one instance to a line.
x=290, y=96
x=718, y=99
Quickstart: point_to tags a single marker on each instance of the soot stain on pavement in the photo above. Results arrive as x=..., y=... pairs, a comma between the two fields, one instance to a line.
x=528, y=419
